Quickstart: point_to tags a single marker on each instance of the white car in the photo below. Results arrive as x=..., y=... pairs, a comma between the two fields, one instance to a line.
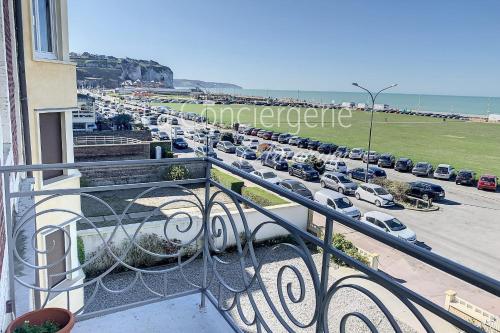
x=190, y=133
x=285, y=152
x=337, y=201
x=389, y=224
x=445, y=171
x=177, y=131
x=336, y=166
x=356, y=153
x=301, y=157
x=375, y=194
x=267, y=175
x=250, y=143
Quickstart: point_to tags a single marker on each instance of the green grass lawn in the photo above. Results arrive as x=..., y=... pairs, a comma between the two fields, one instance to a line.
x=462, y=144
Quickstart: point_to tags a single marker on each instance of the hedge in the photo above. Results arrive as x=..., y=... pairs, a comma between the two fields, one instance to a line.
x=227, y=180
x=262, y=197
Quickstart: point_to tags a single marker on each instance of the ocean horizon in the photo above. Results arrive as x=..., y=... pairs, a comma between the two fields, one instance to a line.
x=467, y=105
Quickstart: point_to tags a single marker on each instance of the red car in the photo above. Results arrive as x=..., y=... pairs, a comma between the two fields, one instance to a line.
x=487, y=182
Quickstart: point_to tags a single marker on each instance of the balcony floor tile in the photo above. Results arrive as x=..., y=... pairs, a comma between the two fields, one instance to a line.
x=174, y=316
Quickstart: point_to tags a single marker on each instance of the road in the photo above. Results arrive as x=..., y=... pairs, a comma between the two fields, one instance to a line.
x=465, y=229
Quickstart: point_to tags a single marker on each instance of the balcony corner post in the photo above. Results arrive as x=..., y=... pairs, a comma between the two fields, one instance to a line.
x=325, y=271
x=206, y=247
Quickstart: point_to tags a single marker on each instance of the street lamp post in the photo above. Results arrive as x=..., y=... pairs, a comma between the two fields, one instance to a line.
x=373, y=98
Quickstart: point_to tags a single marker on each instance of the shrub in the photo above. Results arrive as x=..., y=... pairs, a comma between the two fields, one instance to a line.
x=262, y=197
x=166, y=149
x=227, y=180
x=80, y=249
x=341, y=243
x=175, y=172
x=47, y=327
x=396, y=188
x=84, y=182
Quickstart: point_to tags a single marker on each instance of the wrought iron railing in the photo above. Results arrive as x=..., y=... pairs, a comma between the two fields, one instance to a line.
x=92, y=140
x=212, y=250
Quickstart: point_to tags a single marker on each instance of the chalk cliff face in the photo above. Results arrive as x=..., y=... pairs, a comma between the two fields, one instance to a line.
x=111, y=72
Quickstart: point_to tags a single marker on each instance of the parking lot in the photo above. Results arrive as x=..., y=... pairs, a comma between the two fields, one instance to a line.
x=464, y=229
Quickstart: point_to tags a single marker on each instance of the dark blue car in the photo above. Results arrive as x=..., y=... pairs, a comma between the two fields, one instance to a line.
x=246, y=153
x=373, y=172
x=274, y=161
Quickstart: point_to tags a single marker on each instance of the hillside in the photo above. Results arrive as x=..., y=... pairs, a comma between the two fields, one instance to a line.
x=111, y=72
x=186, y=83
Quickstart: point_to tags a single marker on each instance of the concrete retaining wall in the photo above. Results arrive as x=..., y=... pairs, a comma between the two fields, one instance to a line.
x=293, y=213
x=112, y=152
x=139, y=135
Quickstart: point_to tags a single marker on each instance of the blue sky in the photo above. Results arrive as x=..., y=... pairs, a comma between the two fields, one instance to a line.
x=427, y=46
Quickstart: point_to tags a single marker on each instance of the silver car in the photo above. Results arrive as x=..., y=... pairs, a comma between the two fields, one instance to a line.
x=338, y=182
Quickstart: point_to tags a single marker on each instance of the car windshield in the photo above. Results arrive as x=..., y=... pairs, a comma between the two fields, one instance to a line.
x=343, y=203
x=344, y=179
x=466, y=174
x=298, y=186
x=248, y=150
x=379, y=173
x=163, y=133
x=245, y=164
x=179, y=140
x=267, y=175
x=436, y=188
x=385, y=157
x=395, y=225
x=286, y=149
x=341, y=164
x=421, y=165
x=356, y=151
x=488, y=179
x=306, y=167
x=380, y=191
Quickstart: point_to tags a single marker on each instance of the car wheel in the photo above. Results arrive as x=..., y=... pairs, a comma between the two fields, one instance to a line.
x=290, y=172
x=262, y=162
x=357, y=196
x=377, y=203
x=276, y=167
x=341, y=190
x=322, y=183
x=425, y=197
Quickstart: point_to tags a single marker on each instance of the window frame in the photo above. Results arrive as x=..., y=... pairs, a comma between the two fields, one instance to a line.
x=36, y=36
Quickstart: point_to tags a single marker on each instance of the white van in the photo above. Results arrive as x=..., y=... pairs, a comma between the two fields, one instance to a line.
x=338, y=202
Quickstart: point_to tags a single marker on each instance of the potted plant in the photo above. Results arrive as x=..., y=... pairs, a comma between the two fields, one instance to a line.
x=48, y=320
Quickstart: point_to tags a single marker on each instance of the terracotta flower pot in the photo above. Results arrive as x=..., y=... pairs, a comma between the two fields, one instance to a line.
x=63, y=317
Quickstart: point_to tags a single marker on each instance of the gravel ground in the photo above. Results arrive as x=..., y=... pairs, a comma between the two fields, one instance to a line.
x=345, y=301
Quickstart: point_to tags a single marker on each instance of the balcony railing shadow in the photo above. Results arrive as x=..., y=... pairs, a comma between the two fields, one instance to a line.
x=216, y=251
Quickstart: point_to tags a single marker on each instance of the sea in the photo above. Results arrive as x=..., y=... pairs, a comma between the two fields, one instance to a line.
x=465, y=105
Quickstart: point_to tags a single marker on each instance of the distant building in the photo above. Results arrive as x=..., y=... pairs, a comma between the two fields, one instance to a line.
x=84, y=117
x=348, y=105
x=381, y=107
x=494, y=118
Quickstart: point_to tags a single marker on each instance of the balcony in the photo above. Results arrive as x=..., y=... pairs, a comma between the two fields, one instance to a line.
x=225, y=263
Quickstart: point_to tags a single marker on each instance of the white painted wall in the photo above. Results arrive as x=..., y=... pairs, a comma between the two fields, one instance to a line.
x=293, y=213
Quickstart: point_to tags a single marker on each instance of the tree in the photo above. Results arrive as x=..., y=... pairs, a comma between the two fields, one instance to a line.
x=122, y=121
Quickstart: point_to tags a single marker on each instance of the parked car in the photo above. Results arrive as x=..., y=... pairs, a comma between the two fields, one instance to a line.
x=283, y=138
x=267, y=135
x=403, y=164
x=386, y=161
x=226, y=147
x=371, y=157
x=302, y=142
x=327, y=148
x=286, y=152
x=266, y=175
x=301, y=157
x=201, y=151
x=487, y=182
x=336, y=166
x=356, y=153
x=274, y=161
x=337, y=201
x=163, y=136
x=296, y=187
x=238, y=139
x=243, y=166
x=375, y=194
x=260, y=133
x=200, y=137
x=246, y=152
x=342, y=152
x=248, y=131
x=254, y=131
x=179, y=143
x=373, y=172
x=303, y=170
x=293, y=140
x=466, y=177
x=338, y=182
x=251, y=143
x=423, y=169
x=275, y=136
x=388, y=223
x=425, y=191
x=313, y=144
x=445, y=171
x=177, y=130
x=190, y=134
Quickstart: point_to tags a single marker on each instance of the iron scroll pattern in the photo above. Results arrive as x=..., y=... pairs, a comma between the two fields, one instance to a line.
x=257, y=304
x=187, y=251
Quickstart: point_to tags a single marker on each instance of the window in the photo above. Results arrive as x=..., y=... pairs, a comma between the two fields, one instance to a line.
x=44, y=29
x=51, y=142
